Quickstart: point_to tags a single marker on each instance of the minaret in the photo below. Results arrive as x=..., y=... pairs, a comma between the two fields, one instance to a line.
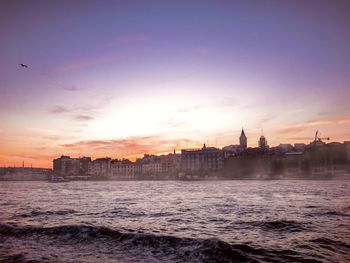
x=243, y=140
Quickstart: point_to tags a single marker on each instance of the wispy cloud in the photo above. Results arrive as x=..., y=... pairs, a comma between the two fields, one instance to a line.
x=60, y=109
x=292, y=130
x=171, y=122
x=229, y=102
x=84, y=118
x=57, y=109
x=33, y=156
x=54, y=137
x=128, y=146
x=80, y=114
x=298, y=127
x=86, y=63
x=100, y=59
x=71, y=88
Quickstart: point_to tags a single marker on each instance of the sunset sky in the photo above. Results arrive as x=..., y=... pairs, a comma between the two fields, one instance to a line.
x=124, y=78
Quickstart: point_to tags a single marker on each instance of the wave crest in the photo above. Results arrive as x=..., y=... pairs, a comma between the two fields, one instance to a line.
x=35, y=213
x=187, y=249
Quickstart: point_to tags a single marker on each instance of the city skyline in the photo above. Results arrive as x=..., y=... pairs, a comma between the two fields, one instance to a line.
x=241, y=145
x=124, y=78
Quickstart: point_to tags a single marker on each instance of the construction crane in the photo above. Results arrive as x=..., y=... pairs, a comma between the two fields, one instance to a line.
x=319, y=139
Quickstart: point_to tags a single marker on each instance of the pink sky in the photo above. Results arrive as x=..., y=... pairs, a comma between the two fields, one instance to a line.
x=122, y=79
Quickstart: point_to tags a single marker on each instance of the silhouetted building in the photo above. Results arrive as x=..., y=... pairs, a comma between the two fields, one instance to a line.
x=253, y=163
x=24, y=174
x=282, y=148
x=243, y=140
x=299, y=147
x=158, y=167
x=67, y=166
x=122, y=169
x=323, y=160
x=347, y=148
x=263, y=142
x=232, y=150
x=202, y=162
x=101, y=167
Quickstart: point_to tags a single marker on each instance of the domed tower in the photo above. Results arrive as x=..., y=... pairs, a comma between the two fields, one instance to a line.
x=263, y=142
x=243, y=140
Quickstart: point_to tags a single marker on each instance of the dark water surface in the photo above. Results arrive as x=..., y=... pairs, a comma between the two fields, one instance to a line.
x=173, y=221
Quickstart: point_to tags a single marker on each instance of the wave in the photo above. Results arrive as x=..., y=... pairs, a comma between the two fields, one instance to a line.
x=17, y=257
x=187, y=249
x=334, y=213
x=327, y=213
x=278, y=225
x=331, y=244
x=165, y=247
x=34, y=213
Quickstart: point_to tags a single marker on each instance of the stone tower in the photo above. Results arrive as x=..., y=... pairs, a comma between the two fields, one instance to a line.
x=243, y=140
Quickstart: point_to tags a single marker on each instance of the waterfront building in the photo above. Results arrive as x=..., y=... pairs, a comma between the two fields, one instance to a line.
x=122, y=169
x=202, y=162
x=347, y=148
x=253, y=163
x=325, y=160
x=299, y=147
x=151, y=168
x=101, y=167
x=67, y=166
x=161, y=167
x=24, y=174
x=231, y=150
x=284, y=148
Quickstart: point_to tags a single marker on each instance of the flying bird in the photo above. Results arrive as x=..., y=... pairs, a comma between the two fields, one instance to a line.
x=23, y=65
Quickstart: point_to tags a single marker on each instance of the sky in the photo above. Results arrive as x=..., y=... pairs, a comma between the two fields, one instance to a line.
x=125, y=78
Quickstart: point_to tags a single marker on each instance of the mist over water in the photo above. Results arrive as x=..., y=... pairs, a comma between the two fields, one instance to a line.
x=175, y=221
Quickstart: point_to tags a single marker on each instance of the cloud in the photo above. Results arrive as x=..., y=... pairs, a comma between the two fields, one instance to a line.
x=229, y=102
x=126, y=39
x=82, y=113
x=54, y=137
x=85, y=63
x=192, y=108
x=291, y=129
x=298, y=127
x=262, y=121
x=154, y=144
x=83, y=118
x=57, y=109
x=113, y=144
x=171, y=122
x=71, y=88
x=35, y=156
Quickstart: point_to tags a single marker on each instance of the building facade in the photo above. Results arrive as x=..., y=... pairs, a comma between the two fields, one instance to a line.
x=202, y=162
x=158, y=166
x=101, y=167
x=67, y=166
x=122, y=169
